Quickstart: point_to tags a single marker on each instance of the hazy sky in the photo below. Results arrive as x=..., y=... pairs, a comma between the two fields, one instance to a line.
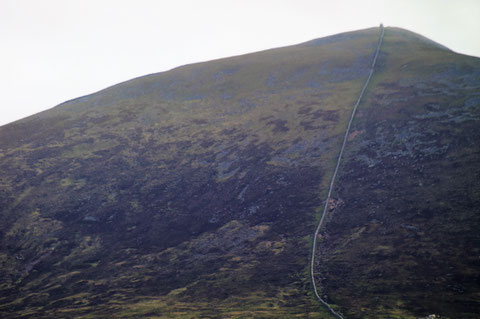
x=56, y=50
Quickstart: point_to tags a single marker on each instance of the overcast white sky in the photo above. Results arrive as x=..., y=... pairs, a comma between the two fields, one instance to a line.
x=56, y=50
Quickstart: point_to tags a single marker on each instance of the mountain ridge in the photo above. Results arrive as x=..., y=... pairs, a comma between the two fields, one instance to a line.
x=327, y=39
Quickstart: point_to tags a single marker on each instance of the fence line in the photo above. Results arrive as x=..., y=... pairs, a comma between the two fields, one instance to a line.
x=332, y=182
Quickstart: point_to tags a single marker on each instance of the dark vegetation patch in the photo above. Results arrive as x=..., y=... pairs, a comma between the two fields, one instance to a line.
x=406, y=228
x=309, y=125
x=304, y=110
x=279, y=126
x=124, y=215
x=265, y=118
x=331, y=115
x=199, y=121
x=307, y=108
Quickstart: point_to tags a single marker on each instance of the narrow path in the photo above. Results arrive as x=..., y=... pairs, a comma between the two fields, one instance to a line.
x=332, y=182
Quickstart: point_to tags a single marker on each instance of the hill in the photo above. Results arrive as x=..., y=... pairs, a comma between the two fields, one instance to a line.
x=195, y=192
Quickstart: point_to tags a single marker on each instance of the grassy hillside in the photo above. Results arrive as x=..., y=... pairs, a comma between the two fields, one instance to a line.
x=195, y=192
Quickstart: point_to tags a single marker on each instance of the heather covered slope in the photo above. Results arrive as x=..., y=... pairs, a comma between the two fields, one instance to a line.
x=198, y=187
x=404, y=235
x=195, y=192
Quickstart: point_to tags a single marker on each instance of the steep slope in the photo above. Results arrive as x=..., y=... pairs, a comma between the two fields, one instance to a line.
x=198, y=187
x=403, y=238
x=329, y=199
x=195, y=192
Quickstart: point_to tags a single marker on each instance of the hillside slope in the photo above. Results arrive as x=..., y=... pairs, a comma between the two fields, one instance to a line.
x=195, y=192
x=404, y=234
